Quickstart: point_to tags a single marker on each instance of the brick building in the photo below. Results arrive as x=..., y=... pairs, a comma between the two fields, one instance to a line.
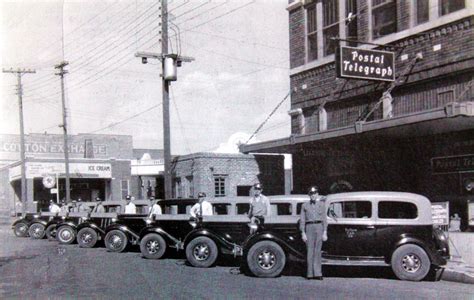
x=416, y=134
x=99, y=167
x=220, y=175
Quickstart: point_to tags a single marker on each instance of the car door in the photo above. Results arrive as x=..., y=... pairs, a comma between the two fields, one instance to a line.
x=351, y=229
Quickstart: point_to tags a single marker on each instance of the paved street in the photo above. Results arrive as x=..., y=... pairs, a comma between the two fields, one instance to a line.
x=36, y=269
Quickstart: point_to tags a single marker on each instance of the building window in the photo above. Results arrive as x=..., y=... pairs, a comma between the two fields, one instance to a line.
x=190, y=186
x=178, y=188
x=311, y=33
x=384, y=18
x=125, y=187
x=219, y=186
x=243, y=190
x=422, y=11
x=351, y=23
x=330, y=25
x=449, y=6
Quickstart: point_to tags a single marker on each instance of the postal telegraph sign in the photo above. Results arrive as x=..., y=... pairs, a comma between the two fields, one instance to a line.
x=365, y=64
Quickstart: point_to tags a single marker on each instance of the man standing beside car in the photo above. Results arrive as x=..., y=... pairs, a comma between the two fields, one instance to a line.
x=202, y=208
x=313, y=226
x=259, y=206
x=130, y=208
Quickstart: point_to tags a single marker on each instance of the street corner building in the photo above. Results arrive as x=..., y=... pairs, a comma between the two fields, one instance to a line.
x=382, y=98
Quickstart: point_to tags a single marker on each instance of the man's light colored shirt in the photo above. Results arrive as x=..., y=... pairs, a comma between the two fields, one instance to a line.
x=54, y=208
x=156, y=210
x=130, y=208
x=206, y=209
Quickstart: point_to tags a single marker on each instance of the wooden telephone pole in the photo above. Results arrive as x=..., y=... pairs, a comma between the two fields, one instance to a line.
x=19, y=73
x=61, y=73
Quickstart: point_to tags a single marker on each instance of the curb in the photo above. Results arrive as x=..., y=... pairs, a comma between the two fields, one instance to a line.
x=457, y=276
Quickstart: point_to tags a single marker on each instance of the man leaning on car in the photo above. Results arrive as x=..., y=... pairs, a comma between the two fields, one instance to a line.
x=313, y=226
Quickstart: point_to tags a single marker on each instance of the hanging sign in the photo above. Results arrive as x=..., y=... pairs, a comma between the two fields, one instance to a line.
x=49, y=182
x=365, y=64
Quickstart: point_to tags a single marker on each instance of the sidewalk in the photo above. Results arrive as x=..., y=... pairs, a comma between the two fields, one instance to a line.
x=457, y=270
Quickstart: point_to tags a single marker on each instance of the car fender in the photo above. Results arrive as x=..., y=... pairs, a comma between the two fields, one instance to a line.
x=435, y=258
x=223, y=244
x=91, y=225
x=67, y=223
x=268, y=236
x=170, y=240
x=39, y=221
x=124, y=229
x=20, y=221
x=52, y=222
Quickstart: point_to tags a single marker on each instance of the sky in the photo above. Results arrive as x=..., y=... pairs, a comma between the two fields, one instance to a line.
x=239, y=75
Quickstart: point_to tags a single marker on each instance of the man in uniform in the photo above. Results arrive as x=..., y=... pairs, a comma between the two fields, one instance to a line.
x=130, y=208
x=313, y=226
x=53, y=207
x=259, y=206
x=100, y=207
x=202, y=208
x=155, y=209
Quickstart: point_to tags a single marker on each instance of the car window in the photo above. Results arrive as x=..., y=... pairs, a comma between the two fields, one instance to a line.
x=183, y=209
x=221, y=208
x=397, y=210
x=142, y=209
x=242, y=208
x=112, y=208
x=350, y=209
x=298, y=208
x=281, y=209
x=171, y=209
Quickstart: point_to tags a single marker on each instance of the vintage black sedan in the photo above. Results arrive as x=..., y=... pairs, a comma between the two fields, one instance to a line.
x=364, y=229
x=21, y=226
x=168, y=229
x=222, y=234
x=92, y=228
x=125, y=228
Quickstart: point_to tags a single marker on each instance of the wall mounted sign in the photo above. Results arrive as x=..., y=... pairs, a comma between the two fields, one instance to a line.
x=356, y=63
x=452, y=164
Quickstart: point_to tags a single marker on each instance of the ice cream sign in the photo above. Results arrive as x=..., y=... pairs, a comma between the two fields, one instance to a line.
x=365, y=64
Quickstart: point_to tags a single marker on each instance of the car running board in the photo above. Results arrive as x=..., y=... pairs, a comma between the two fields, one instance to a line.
x=355, y=262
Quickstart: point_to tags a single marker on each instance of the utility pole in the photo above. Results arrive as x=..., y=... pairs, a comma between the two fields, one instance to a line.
x=61, y=73
x=166, y=102
x=19, y=73
x=170, y=62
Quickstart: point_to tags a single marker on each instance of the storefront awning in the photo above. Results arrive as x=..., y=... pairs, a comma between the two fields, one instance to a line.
x=453, y=117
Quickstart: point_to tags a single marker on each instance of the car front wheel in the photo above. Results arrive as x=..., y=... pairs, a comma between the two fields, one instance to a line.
x=51, y=231
x=266, y=259
x=116, y=241
x=87, y=237
x=66, y=234
x=152, y=246
x=21, y=229
x=201, y=252
x=36, y=231
x=410, y=262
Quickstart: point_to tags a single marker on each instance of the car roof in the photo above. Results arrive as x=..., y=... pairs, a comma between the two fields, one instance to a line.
x=380, y=195
x=142, y=202
x=177, y=201
x=114, y=202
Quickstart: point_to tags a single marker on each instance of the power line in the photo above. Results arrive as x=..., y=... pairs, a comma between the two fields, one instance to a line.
x=186, y=144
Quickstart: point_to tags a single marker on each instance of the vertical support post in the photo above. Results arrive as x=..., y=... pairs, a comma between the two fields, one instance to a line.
x=61, y=73
x=24, y=197
x=166, y=102
x=22, y=146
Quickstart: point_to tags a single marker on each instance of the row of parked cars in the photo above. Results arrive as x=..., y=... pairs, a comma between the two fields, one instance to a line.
x=364, y=229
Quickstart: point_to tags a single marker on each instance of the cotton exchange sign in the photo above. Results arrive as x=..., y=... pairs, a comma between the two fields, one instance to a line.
x=365, y=64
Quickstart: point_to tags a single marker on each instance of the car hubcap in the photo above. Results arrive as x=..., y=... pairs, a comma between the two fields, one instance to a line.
x=201, y=252
x=152, y=247
x=66, y=235
x=37, y=231
x=266, y=260
x=22, y=229
x=411, y=263
x=115, y=241
x=86, y=238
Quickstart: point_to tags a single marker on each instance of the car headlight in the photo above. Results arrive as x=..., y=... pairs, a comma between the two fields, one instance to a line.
x=114, y=220
x=148, y=221
x=193, y=223
x=85, y=218
x=63, y=217
x=35, y=216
